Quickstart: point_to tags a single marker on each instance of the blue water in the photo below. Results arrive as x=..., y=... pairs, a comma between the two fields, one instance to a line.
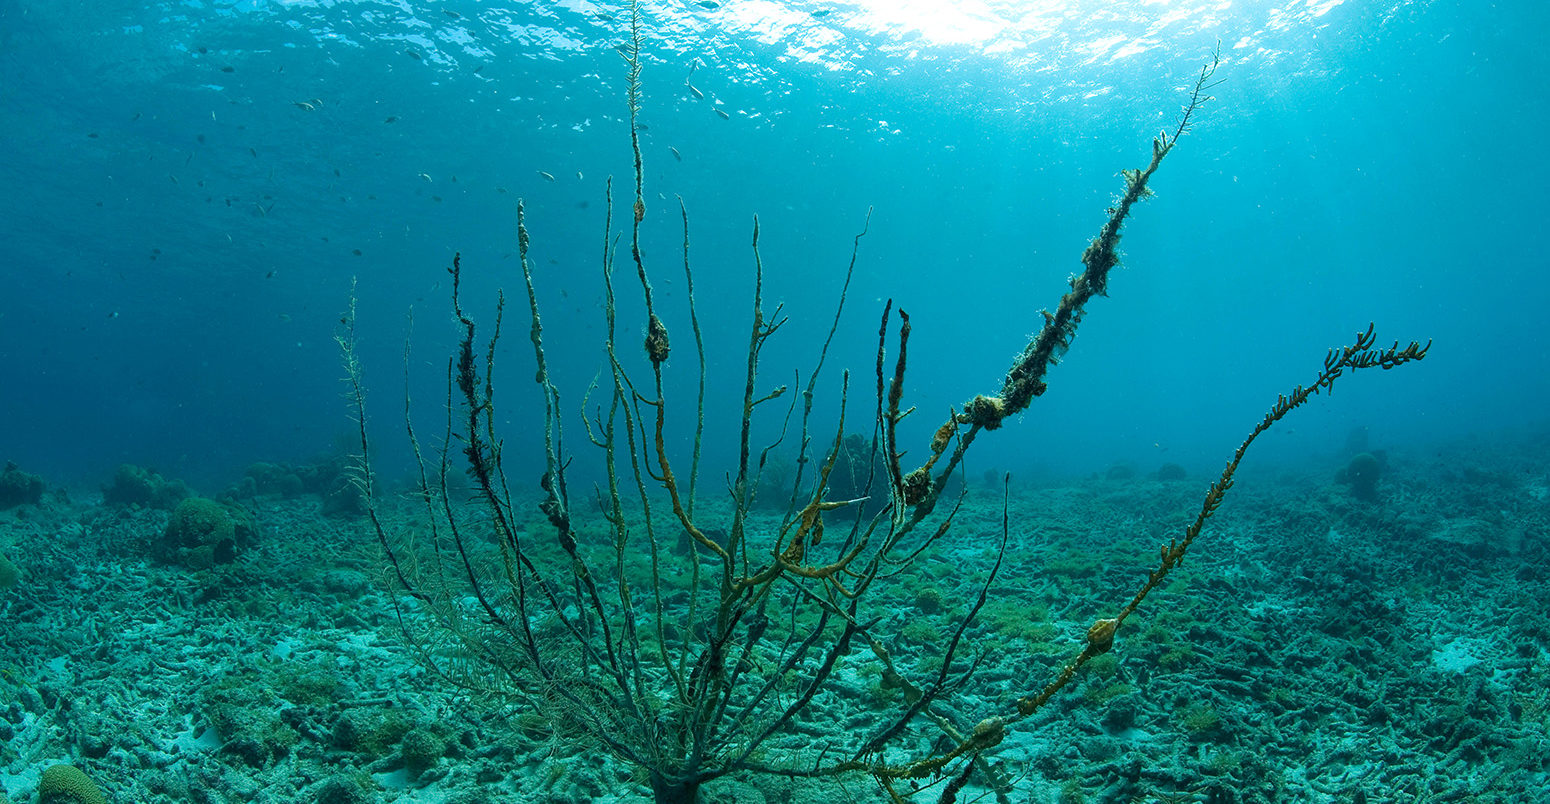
x=192, y=187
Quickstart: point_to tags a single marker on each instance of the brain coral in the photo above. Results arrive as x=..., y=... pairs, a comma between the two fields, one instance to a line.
x=1362, y=473
x=202, y=533
x=10, y=574
x=66, y=784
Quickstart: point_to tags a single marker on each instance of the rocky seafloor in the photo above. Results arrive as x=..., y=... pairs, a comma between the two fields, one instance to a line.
x=1316, y=646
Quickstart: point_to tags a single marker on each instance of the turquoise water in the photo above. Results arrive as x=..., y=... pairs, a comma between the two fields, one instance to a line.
x=181, y=233
x=194, y=188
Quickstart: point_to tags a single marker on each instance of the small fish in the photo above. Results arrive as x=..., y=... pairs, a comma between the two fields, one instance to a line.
x=304, y=105
x=693, y=90
x=285, y=317
x=710, y=5
x=821, y=13
x=413, y=54
x=676, y=154
x=254, y=152
x=355, y=251
x=452, y=14
x=579, y=177
x=724, y=115
x=603, y=15
x=228, y=69
x=547, y=175
x=269, y=275
x=392, y=118
x=425, y=176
